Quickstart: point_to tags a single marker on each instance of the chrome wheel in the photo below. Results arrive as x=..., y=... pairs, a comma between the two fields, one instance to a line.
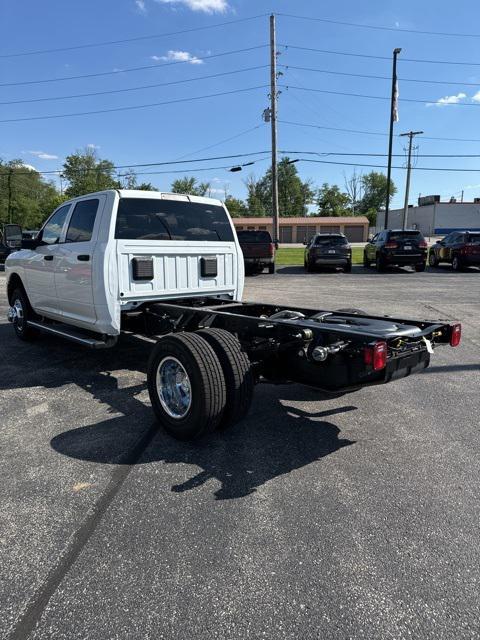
x=16, y=315
x=173, y=387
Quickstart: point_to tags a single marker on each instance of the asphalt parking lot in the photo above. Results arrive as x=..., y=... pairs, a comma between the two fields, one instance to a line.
x=354, y=517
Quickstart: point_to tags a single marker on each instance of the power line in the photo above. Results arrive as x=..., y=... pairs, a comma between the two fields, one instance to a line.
x=123, y=41
x=381, y=166
x=196, y=170
x=365, y=55
x=363, y=95
x=381, y=28
x=384, y=155
x=362, y=75
x=216, y=144
x=373, y=133
x=145, y=86
x=155, y=164
x=130, y=69
x=130, y=108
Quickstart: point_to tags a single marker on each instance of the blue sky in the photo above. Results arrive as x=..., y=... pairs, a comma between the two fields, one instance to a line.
x=187, y=129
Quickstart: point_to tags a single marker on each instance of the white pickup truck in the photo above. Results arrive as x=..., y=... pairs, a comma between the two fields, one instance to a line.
x=170, y=266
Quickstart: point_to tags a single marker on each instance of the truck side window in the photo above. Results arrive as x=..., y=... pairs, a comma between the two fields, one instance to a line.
x=53, y=229
x=81, y=223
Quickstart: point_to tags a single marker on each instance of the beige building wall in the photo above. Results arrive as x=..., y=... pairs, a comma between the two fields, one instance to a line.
x=297, y=230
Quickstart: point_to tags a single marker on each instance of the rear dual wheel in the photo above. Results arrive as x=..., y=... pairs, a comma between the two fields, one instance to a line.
x=199, y=382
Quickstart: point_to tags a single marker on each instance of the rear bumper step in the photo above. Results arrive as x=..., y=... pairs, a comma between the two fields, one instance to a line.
x=62, y=331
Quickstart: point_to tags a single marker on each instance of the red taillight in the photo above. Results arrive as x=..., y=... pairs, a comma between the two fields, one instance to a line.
x=455, y=334
x=422, y=244
x=376, y=355
x=391, y=245
x=271, y=249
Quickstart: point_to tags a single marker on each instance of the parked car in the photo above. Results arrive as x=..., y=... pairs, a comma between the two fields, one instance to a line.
x=9, y=240
x=258, y=250
x=396, y=247
x=460, y=248
x=328, y=250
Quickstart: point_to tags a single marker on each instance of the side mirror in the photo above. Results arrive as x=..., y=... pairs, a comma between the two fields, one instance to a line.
x=12, y=234
x=370, y=238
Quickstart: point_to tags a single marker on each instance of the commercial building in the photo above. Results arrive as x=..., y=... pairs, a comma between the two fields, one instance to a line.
x=433, y=217
x=298, y=229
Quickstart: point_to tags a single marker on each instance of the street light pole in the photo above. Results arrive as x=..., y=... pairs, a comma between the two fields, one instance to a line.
x=273, y=120
x=393, y=118
x=411, y=135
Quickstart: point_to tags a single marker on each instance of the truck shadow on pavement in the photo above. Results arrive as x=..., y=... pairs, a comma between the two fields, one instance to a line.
x=276, y=438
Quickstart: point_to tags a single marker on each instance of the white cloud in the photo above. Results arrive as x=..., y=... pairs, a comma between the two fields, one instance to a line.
x=448, y=100
x=140, y=4
x=90, y=145
x=43, y=155
x=207, y=6
x=29, y=166
x=476, y=97
x=178, y=56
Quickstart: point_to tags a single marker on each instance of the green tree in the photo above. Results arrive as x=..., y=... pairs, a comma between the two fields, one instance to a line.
x=236, y=207
x=190, y=186
x=374, y=186
x=86, y=173
x=293, y=194
x=331, y=201
x=257, y=198
x=25, y=198
x=129, y=181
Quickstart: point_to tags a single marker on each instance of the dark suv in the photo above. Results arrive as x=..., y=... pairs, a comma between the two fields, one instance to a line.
x=460, y=248
x=328, y=250
x=396, y=247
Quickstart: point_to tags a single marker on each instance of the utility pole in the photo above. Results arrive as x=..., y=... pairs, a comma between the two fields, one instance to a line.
x=411, y=135
x=393, y=118
x=9, y=192
x=273, y=120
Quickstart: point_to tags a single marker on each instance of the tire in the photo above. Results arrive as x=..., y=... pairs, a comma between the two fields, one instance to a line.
x=198, y=403
x=456, y=264
x=348, y=267
x=420, y=267
x=309, y=267
x=380, y=264
x=432, y=260
x=23, y=312
x=366, y=263
x=237, y=372
x=271, y=268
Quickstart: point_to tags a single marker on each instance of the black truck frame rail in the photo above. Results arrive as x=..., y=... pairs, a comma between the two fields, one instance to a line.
x=335, y=351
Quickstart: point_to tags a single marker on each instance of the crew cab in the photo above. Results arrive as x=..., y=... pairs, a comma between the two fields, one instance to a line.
x=258, y=250
x=170, y=267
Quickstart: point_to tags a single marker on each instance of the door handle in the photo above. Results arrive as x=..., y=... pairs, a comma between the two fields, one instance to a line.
x=83, y=257
x=48, y=257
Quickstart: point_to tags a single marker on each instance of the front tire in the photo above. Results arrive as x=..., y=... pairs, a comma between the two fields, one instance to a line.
x=186, y=386
x=271, y=268
x=21, y=312
x=432, y=260
x=237, y=372
x=366, y=263
x=420, y=267
x=348, y=267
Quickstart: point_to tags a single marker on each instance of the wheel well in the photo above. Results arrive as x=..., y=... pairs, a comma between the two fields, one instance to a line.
x=13, y=283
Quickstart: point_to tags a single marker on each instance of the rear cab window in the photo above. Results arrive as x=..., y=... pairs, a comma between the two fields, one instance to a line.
x=162, y=219
x=331, y=240
x=405, y=235
x=254, y=236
